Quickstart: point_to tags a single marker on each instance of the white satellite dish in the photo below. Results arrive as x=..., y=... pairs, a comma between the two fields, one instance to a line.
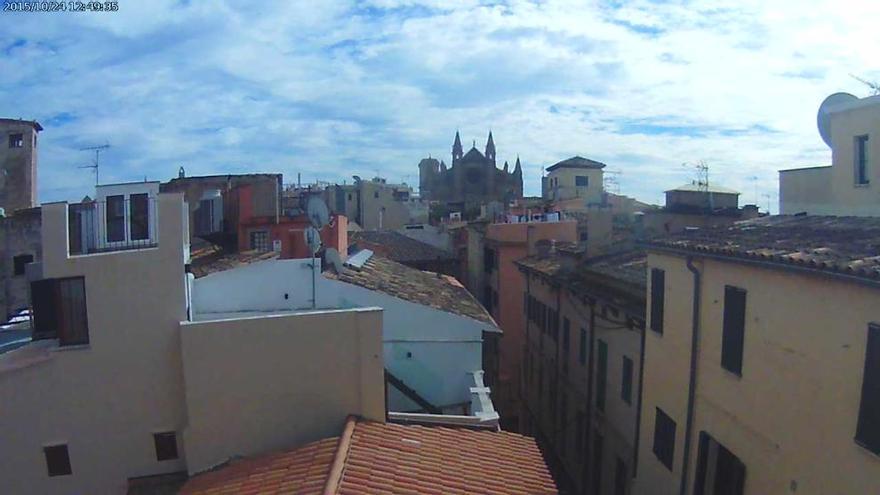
x=317, y=211
x=823, y=119
x=313, y=239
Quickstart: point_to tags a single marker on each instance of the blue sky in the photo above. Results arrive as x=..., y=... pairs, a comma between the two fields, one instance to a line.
x=334, y=89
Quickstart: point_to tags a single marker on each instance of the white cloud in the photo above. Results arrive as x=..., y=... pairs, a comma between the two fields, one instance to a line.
x=341, y=88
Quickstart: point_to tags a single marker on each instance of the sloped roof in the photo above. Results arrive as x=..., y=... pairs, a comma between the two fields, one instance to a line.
x=576, y=162
x=208, y=260
x=426, y=288
x=399, y=247
x=372, y=457
x=848, y=246
x=302, y=471
x=473, y=154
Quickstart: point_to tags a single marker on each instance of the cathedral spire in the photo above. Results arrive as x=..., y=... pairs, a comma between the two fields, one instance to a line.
x=518, y=168
x=457, y=151
x=506, y=167
x=490, y=148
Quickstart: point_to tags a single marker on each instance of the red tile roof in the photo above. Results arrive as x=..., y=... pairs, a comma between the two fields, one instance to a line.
x=385, y=458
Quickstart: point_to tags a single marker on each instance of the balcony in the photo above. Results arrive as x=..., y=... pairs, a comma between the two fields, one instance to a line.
x=118, y=223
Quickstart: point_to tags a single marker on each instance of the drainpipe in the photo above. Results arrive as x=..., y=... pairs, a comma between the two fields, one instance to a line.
x=589, y=426
x=639, y=403
x=692, y=385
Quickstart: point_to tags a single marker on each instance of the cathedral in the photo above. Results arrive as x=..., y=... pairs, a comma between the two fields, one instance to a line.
x=472, y=180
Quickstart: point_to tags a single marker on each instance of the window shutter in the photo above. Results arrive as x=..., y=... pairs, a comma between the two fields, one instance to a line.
x=658, y=294
x=868, y=429
x=45, y=304
x=734, y=329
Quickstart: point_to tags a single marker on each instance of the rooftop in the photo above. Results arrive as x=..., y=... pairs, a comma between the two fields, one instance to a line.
x=848, y=246
x=33, y=123
x=398, y=247
x=576, y=162
x=621, y=273
x=712, y=188
x=427, y=288
x=208, y=260
x=371, y=457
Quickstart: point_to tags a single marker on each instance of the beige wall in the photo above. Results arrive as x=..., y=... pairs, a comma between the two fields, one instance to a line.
x=805, y=189
x=260, y=384
x=18, y=182
x=394, y=214
x=617, y=424
x=104, y=400
x=791, y=417
x=561, y=185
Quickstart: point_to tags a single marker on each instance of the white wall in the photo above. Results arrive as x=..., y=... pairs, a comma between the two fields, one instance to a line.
x=444, y=346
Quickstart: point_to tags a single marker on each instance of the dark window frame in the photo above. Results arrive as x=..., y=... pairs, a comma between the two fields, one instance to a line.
x=139, y=216
x=256, y=244
x=868, y=422
x=658, y=299
x=166, y=446
x=16, y=140
x=57, y=460
x=733, y=330
x=664, y=438
x=627, y=380
x=582, y=181
x=19, y=262
x=601, y=374
x=582, y=351
x=861, y=160
x=54, y=316
x=114, y=213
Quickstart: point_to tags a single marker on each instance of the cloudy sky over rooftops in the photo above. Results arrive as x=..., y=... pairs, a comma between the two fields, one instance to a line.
x=334, y=89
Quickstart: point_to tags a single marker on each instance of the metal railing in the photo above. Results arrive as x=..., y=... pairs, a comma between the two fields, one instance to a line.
x=116, y=224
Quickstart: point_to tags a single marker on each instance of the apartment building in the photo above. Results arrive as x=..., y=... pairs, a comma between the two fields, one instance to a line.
x=575, y=178
x=125, y=378
x=503, y=286
x=581, y=373
x=762, y=359
x=850, y=126
x=376, y=204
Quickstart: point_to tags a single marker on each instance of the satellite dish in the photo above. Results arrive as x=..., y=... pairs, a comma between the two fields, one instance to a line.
x=823, y=119
x=313, y=239
x=317, y=211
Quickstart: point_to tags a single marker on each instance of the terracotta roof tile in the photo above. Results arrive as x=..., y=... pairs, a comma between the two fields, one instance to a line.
x=847, y=246
x=427, y=288
x=399, y=247
x=386, y=458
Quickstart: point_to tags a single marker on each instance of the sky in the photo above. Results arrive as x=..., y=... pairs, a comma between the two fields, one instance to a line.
x=332, y=89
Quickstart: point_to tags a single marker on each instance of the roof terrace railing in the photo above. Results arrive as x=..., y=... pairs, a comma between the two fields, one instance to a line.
x=117, y=224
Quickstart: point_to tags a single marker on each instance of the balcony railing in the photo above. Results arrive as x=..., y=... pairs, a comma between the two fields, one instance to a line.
x=119, y=223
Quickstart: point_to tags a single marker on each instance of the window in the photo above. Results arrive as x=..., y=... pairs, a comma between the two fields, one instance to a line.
x=626, y=386
x=664, y=438
x=584, y=236
x=597, y=463
x=349, y=196
x=868, y=429
x=563, y=422
x=16, y=140
x=59, y=307
x=495, y=298
x=57, y=460
x=582, y=352
x=376, y=194
x=579, y=433
x=566, y=336
x=581, y=181
x=861, y=153
x=734, y=329
x=139, y=217
x=719, y=471
x=487, y=298
x=658, y=289
x=19, y=262
x=601, y=375
x=488, y=260
x=620, y=477
x=115, y=218
x=540, y=381
x=260, y=240
x=166, y=445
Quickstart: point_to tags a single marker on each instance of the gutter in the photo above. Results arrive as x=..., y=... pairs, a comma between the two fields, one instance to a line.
x=692, y=385
x=784, y=266
x=643, y=331
x=590, y=367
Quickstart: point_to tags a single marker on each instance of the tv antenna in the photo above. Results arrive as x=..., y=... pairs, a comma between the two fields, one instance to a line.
x=874, y=85
x=612, y=180
x=702, y=174
x=96, y=161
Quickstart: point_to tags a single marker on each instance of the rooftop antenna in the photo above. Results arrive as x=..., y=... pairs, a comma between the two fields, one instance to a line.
x=319, y=216
x=96, y=161
x=612, y=180
x=874, y=85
